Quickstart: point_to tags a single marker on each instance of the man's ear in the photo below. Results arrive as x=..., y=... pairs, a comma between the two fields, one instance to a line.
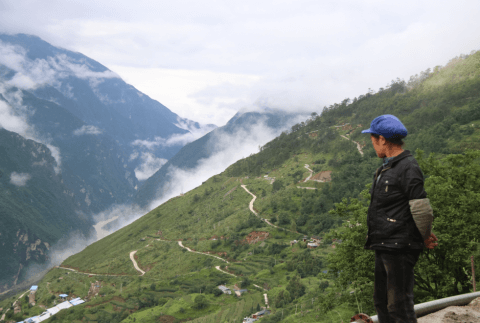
x=382, y=140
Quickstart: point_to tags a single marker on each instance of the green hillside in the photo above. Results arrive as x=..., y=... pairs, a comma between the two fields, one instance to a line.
x=441, y=110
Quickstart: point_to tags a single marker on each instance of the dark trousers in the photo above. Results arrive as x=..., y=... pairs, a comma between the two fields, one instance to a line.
x=393, y=295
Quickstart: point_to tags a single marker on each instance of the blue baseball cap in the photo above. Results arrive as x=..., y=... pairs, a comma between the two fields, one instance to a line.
x=388, y=126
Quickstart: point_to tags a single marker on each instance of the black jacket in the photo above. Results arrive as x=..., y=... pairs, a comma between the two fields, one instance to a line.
x=390, y=222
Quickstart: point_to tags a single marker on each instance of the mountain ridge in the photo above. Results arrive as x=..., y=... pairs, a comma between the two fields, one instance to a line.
x=218, y=217
x=87, y=119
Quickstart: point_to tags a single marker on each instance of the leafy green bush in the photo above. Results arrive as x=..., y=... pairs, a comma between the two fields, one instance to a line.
x=200, y=302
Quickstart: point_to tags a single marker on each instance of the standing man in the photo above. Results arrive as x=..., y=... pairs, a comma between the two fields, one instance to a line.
x=399, y=221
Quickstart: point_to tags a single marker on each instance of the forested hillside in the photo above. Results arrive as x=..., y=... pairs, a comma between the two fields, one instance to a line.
x=238, y=228
x=36, y=209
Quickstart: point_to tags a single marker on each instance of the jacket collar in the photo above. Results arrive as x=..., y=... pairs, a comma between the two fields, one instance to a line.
x=391, y=162
x=404, y=154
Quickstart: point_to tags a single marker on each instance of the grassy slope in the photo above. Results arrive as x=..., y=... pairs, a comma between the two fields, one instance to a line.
x=431, y=110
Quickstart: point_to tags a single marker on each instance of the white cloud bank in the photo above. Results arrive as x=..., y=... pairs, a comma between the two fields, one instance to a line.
x=121, y=215
x=19, y=179
x=205, y=60
x=228, y=148
x=149, y=166
x=193, y=134
x=31, y=74
x=87, y=130
x=13, y=117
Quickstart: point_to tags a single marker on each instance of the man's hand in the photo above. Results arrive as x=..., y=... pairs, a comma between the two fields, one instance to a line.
x=430, y=241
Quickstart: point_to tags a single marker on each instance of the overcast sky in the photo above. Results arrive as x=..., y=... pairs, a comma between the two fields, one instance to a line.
x=205, y=60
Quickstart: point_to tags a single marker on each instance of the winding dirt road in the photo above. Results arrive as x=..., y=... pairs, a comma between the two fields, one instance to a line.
x=223, y=271
x=14, y=303
x=358, y=145
x=202, y=253
x=256, y=214
x=132, y=258
x=311, y=172
x=91, y=274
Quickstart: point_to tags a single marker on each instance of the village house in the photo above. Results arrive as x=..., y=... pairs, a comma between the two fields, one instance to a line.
x=239, y=292
x=225, y=289
x=260, y=313
x=316, y=239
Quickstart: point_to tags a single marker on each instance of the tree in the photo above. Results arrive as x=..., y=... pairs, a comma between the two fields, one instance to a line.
x=350, y=262
x=283, y=218
x=200, y=302
x=277, y=185
x=453, y=186
x=323, y=285
x=245, y=283
x=283, y=298
x=295, y=287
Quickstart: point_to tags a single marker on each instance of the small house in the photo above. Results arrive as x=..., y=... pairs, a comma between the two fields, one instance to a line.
x=312, y=245
x=63, y=296
x=305, y=238
x=239, y=292
x=249, y=320
x=260, y=313
x=316, y=239
x=34, y=288
x=225, y=289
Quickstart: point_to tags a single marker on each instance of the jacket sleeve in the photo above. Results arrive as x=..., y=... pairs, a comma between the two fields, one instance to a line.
x=422, y=214
x=412, y=182
x=420, y=208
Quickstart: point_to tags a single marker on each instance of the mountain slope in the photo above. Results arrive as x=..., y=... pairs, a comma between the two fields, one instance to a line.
x=36, y=208
x=221, y=217
x=97, y=129
x=72, y=101
x=241, y=130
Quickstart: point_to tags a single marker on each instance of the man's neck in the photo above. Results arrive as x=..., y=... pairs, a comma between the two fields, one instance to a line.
x=393, y=152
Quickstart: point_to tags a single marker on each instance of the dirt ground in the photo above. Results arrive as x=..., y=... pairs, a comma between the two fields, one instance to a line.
x=455, y=314
x=256, y=236
x=31, y=298
x=324, y=176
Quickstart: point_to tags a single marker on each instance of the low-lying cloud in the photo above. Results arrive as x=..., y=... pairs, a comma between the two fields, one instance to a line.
x=31, y=74
x=107, y=222
x=194, y=132
x=149, y=165
x=228, y=148
x=13, y=117
x=87, y=130
x=19, y=179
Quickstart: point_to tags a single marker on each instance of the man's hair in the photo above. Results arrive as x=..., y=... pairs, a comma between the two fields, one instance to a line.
x=395, y=139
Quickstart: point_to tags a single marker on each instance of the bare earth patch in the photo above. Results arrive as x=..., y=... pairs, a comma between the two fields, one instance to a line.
x=455, y=314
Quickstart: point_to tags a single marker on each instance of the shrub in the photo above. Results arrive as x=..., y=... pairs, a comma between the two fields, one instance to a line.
x=200, y=302
x=245, y=282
